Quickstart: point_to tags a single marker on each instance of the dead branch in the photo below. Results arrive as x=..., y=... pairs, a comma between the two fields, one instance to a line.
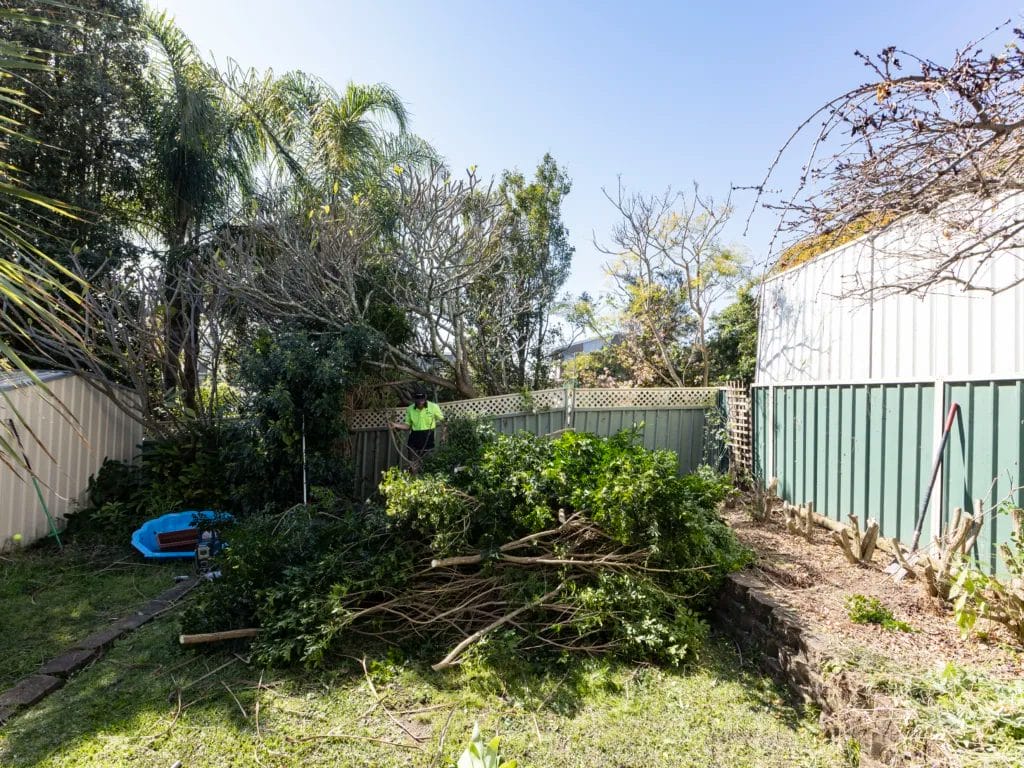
x=458, y=649
x=922, y=144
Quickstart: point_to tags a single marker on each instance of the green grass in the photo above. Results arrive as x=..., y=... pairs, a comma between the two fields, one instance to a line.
x=49, y=599
x=150, y=703
x=954, y=716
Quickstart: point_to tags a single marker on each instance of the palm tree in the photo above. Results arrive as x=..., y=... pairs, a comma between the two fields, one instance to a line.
x=35, y=307
x=206, y=147
x=213, y=131
x=339, y=143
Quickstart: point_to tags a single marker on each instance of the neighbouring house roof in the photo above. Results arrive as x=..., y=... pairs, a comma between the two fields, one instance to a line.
x=585, y=345
x=17, y=379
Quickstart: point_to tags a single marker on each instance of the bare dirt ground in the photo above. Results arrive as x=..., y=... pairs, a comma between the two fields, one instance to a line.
x=814, y=579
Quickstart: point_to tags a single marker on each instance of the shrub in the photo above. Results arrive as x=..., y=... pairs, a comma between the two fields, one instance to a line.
x=976, y=594
x=201, y=466
x=483, y=754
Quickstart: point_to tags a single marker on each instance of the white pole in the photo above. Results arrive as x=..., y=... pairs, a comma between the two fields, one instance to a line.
x=305, y=497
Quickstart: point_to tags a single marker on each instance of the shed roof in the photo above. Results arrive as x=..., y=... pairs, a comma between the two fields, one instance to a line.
x=17, y=379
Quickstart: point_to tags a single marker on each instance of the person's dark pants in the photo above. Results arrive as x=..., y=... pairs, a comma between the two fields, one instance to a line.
x=421, y=442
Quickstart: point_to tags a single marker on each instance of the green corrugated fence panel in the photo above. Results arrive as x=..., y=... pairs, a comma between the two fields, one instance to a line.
x=984, y=457
x=862, y=449
x=675, y=429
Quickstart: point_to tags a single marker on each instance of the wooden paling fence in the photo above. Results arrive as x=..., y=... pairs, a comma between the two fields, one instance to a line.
x=673, y=419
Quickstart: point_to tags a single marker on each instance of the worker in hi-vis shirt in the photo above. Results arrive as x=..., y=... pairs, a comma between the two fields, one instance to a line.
x=421, y=419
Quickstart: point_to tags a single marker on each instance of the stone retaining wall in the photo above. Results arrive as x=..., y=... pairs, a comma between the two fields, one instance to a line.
x=814, y=672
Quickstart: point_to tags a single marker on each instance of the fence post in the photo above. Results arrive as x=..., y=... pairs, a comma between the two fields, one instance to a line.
x=769, y=443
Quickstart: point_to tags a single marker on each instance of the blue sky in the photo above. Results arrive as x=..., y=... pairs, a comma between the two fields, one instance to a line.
x=663, y=93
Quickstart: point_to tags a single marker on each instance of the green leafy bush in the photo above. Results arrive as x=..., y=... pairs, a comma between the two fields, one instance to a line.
x=869, y=610
x=976, y=594
x=201, y=466
x=295, y=383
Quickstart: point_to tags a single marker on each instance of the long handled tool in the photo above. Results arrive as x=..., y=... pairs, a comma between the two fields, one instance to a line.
x=895, y=568
x=35, y=482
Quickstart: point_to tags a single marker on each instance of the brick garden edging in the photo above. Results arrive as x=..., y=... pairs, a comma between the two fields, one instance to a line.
x=52, y=675
x=802, y=661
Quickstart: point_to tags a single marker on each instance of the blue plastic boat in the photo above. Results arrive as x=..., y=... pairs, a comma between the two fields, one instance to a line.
x=144, y=539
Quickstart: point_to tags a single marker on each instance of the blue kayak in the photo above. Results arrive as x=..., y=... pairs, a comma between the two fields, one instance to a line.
x=144, y=539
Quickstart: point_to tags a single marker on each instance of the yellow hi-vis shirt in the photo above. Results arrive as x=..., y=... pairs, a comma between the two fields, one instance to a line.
x=423, y=418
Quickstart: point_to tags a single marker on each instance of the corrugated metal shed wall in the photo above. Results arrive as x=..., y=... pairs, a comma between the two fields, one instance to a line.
x=94, y=429
x=867, y=449
x=676, y=429
x=810, y=334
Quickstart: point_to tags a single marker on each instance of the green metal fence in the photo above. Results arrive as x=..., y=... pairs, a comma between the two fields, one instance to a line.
x=984, y=457
x=867, y=449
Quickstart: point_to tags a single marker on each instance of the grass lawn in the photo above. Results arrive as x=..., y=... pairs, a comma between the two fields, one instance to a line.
x=49, y=599
x=150, y=703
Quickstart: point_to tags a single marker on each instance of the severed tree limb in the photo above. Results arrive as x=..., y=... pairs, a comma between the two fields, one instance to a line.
x=843, y=539
x=897, y=551
x=869, y=541
x=458, y=649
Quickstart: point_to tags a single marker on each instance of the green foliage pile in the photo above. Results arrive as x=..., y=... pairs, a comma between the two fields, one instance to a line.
x=580, y=543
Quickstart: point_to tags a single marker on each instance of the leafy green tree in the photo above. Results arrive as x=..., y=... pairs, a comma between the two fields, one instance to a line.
x=732, y=348
x=206, y=146
x=512, y=326
x=297, y=382
x=81, y=115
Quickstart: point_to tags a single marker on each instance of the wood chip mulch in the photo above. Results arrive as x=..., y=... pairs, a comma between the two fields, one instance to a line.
x=814, y=579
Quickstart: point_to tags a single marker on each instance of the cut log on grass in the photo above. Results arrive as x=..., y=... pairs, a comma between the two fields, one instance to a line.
x=216, y=637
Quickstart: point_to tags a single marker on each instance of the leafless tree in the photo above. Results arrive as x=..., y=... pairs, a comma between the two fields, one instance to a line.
x=669, y=258
x=919, y=147
x=123, y=323
x=334, y=268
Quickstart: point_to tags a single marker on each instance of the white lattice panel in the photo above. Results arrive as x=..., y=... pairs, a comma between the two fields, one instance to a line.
x=377, y=418
x=508, y=405
x=500, y=405
x=691, y=397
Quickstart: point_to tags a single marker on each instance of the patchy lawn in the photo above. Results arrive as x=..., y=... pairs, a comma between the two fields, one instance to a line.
x=50, y=599
x=150, y=703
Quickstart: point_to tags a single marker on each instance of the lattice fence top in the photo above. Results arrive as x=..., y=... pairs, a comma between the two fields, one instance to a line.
x=549, y=400
x=691, y=397
x=499, y=405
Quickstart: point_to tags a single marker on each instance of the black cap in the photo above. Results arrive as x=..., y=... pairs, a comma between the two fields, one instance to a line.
x=419, y=394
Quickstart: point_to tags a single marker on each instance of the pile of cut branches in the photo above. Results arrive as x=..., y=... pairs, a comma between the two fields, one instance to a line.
x=579, y=543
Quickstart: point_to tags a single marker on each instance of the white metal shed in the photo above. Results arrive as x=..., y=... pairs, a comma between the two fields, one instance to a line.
x=823, y=322
x=79, y=426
